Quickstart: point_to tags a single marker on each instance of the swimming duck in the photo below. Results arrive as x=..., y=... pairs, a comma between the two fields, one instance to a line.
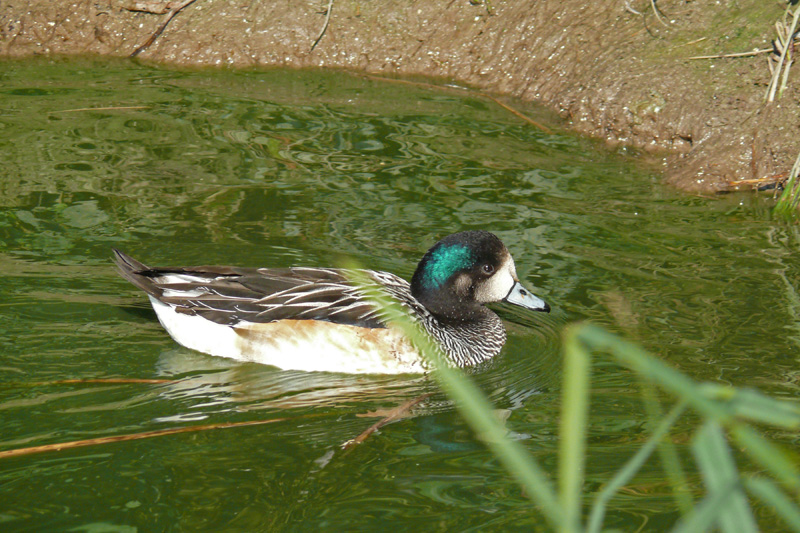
x=316, y=319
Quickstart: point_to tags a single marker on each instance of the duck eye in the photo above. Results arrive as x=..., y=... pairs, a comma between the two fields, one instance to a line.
x=488, y=269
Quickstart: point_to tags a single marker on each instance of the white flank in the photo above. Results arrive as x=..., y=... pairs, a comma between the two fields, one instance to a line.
x=308, y=345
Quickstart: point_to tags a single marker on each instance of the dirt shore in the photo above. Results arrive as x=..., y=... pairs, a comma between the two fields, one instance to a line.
x=615, y=68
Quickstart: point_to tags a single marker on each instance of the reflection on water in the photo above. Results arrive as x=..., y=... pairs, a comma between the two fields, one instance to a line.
x=214, y=381
x=281, y=168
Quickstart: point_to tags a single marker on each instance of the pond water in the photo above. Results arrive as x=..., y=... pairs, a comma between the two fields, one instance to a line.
x=281, y=168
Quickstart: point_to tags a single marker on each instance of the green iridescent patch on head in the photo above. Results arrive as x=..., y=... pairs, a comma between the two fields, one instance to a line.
x=444, y=262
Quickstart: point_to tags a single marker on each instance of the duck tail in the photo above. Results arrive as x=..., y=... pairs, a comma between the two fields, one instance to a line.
x=135, y=272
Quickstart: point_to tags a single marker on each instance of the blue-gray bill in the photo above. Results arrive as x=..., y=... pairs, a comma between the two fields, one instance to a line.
x=519, y=295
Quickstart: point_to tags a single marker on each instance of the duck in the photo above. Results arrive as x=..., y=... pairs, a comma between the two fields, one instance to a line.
x=319, y=320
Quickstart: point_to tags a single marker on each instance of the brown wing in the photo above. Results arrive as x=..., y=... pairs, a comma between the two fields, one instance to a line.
x=228, y=295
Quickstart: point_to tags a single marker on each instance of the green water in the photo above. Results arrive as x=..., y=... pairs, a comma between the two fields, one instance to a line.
x=284, y=168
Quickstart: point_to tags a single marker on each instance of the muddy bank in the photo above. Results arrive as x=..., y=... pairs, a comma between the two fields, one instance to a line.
x=613, y=73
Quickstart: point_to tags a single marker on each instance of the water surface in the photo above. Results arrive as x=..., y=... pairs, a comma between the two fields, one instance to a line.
x=280, y=168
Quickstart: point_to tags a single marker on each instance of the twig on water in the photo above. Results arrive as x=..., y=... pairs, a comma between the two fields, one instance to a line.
x=325, y=25
x=112, y=108
x=104, y=381
x=94, y=381
x=132, y=436
x=176, y=8
x=772, y=181
x=517, y=113
x=464, y=90
x=394, y=414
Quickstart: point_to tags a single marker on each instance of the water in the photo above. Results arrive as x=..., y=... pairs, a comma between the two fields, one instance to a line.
x=282, y=168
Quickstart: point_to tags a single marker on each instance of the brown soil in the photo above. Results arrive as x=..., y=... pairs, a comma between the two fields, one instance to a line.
x=614, y=74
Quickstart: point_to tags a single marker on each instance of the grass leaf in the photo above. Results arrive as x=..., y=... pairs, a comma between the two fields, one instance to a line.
x=720, y=474
x=573, y=426
x=474, y=407
x=630, y=469
x=780, y=463
x=769, y=493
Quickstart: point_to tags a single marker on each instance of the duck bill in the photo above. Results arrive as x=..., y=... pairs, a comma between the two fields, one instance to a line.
x=519, y=295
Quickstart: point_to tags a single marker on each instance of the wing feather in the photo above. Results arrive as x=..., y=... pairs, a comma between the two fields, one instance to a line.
x=229, y=295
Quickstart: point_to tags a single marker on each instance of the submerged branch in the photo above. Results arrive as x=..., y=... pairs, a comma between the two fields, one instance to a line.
x=394, y=414
x=132, y=436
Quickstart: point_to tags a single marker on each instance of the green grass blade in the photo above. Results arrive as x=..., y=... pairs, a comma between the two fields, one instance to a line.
x=790, y=197
x=678, y=481
x=705, y=513
x=670, y=461
x=719, y=472
x=479, y=414
x=756, y=406
x=572, y=434
x=652, y=369
x=630, y=469
x=777, y=461
x=473, y=405
x=769, y=493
